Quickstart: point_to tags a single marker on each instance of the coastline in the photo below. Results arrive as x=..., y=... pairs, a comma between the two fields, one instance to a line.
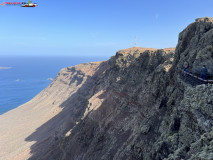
x=5, y=67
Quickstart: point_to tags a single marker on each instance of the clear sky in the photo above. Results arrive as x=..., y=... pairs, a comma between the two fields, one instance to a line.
x=95, y=27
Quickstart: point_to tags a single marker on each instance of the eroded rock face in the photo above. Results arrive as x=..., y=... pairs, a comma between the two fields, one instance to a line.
x=191, y=124
x=133, y=106
x=204, y=19
x=146, y=111
x=116, y=109
x=31, y=128
x=195, y=46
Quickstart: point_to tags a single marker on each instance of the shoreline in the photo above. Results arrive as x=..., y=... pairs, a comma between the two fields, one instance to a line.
x=5, y=67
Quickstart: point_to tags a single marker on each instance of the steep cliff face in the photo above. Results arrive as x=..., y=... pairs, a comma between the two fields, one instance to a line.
x=133, y=106
x=28, y=128
x=118, y=113
x=195, y=46
x=126, y=109
x=190, y=115
x=141, y=109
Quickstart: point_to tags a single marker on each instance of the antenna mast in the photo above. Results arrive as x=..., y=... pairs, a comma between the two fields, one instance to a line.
x=135, y=41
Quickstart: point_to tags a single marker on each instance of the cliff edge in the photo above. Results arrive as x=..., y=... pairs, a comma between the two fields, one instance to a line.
x=133, y=106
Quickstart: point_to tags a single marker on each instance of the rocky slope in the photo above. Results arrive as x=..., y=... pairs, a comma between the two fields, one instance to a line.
x=133, y=106
x=35, y=122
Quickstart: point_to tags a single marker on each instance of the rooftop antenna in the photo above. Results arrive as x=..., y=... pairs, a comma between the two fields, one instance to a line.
x=135, y=41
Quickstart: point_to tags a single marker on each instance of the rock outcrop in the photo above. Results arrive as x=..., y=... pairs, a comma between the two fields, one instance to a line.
x=133, y=106
x=195, y=46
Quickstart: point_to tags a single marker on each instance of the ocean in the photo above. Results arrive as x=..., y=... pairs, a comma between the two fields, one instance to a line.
x=28, y=76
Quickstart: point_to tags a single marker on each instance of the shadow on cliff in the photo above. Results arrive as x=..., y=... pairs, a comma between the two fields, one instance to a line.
x=52, y=143
x=51, y=140
x=48, y=135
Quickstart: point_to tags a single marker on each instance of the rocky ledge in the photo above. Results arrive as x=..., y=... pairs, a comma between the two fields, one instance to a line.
x=204, y=19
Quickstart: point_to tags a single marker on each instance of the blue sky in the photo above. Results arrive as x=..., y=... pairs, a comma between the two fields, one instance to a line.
x=95, y=27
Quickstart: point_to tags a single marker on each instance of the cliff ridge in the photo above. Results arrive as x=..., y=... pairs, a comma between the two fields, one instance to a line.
x=133, y=106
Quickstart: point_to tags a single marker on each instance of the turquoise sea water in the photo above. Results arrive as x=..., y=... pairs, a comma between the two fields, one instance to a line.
x=29, y=75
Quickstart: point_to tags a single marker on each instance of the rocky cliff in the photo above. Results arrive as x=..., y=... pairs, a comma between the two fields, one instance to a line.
x=133, y=106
